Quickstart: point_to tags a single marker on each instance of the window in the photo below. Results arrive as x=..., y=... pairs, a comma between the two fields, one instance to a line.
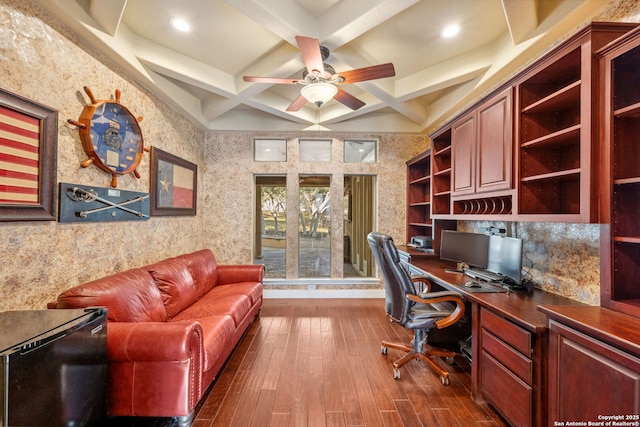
x=271, y=224
x=295, y=241
x=270, y=150
x=314, y=253
x=359, y=221
x=315, y=150
x=360, y=151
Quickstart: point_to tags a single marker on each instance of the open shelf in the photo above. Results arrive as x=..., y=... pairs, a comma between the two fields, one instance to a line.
x=569, y=135
x=551, y=195
x=554, y=176
x=623, y=181
x=626, y=79
x=419, y=196
x=620, y=240
x=563, y=99
x=632, y=110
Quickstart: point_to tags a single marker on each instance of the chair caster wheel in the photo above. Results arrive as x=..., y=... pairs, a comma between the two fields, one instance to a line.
x=444, y=380
x=396, y=374
x=383, y=350
x=449, y=360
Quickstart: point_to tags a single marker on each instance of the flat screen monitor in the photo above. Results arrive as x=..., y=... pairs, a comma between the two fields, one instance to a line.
x=505, y=257
x=468, y=248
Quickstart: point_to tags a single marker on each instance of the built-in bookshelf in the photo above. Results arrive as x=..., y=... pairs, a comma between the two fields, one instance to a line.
x=620, y=237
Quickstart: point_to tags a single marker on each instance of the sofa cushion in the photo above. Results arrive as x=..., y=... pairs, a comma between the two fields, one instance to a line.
x=236, y=306
x=173, y=278
x=253, y=290
x=203, y=268
x=130, y=296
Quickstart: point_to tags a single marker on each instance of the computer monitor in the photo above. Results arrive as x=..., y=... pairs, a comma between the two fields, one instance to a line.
x=468, y=248
x=505, y=257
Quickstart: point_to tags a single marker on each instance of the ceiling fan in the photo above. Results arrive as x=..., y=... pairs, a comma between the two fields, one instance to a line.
x=320, y=81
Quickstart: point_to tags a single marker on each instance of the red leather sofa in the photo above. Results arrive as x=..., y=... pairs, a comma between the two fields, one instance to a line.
x=171, y=326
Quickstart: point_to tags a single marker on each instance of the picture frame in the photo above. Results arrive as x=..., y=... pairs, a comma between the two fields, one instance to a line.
x=174, y=185
x=28, y=151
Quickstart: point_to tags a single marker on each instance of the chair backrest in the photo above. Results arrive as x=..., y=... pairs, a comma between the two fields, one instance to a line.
x=397, y=281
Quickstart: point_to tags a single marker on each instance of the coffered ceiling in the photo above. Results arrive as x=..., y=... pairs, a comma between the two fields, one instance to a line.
x=199, y=73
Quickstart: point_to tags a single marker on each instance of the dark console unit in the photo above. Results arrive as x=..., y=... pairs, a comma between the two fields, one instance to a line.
x=54, y=367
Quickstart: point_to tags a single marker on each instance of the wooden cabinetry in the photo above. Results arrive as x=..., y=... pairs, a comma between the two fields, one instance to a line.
x=419, y=200
x=463, y=157
x=537, y=161
x=506, y=373
x=620, y=198
x=558, y=127
x=441, y=173
x=482, y=147
x=419, y=196
x=594, y=364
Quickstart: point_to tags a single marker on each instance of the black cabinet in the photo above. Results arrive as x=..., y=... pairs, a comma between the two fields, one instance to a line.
x=54, y=367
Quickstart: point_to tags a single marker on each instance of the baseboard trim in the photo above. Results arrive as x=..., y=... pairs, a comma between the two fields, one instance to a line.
x=323, y=293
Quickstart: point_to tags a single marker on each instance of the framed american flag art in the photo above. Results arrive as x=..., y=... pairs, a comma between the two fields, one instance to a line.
x=28, y=151
x=174, y=185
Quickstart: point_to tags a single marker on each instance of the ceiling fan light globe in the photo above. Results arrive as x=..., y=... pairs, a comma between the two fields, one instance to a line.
x=319, y=93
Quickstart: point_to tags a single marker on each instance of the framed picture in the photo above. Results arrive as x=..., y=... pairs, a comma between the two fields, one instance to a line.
x=28, y=152
x=174, y=185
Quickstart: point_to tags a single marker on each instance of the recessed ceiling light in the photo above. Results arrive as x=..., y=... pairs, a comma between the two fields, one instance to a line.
x=180, y=24
x=450, y=30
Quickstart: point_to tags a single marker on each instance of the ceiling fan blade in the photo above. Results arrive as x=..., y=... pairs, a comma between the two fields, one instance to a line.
x=368, y=73
x=280, y=80
x=297, y=104
x=348, y=99
x=310, y=50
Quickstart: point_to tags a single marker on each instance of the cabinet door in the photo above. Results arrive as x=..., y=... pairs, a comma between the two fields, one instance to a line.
x=495, y=144
x=463, y=143
x=589, y=378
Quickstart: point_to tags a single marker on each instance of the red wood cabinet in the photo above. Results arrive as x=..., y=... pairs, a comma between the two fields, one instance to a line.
x=530, y=150
x=594, y=364
x=507, y=370
x=463, y=146
x=495, y=144
x=620, y=192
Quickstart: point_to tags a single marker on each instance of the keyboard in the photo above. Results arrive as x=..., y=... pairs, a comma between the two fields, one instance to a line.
x=479, y=273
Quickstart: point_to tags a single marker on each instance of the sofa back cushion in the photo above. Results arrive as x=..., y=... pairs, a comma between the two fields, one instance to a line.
x=130, y=296
x=203, y=268
x=176, y=285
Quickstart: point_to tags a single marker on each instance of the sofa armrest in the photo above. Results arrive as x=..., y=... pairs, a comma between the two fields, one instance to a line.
x=236, y=273
x=154, y=341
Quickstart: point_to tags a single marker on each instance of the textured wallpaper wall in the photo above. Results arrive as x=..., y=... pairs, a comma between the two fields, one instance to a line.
x=44, y=63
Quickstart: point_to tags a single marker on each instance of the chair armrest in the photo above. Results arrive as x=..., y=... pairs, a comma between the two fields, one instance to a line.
x=154, y=341
x=422, y=280
x=232, y=273
x=442, y=296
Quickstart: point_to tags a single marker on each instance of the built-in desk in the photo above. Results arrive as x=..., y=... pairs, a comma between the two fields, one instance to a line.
x=509, y=345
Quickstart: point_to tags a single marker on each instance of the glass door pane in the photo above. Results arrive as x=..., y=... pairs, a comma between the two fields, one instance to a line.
x=359, y=221
x=271, y=224
x=314, y=253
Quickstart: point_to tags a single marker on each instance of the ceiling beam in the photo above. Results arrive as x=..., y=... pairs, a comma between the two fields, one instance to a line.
x=284, y=18
x=107, y=13
x=349, y=20
x=522, y=18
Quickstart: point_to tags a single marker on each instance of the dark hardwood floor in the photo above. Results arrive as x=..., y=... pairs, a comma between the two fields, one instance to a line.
x=318, y=363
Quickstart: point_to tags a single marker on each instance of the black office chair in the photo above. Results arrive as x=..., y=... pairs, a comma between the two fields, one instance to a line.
x=410, y=303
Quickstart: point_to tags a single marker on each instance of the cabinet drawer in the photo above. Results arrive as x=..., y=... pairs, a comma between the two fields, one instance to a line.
x=509, y=332
x=506, y=392
x=507, y=356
